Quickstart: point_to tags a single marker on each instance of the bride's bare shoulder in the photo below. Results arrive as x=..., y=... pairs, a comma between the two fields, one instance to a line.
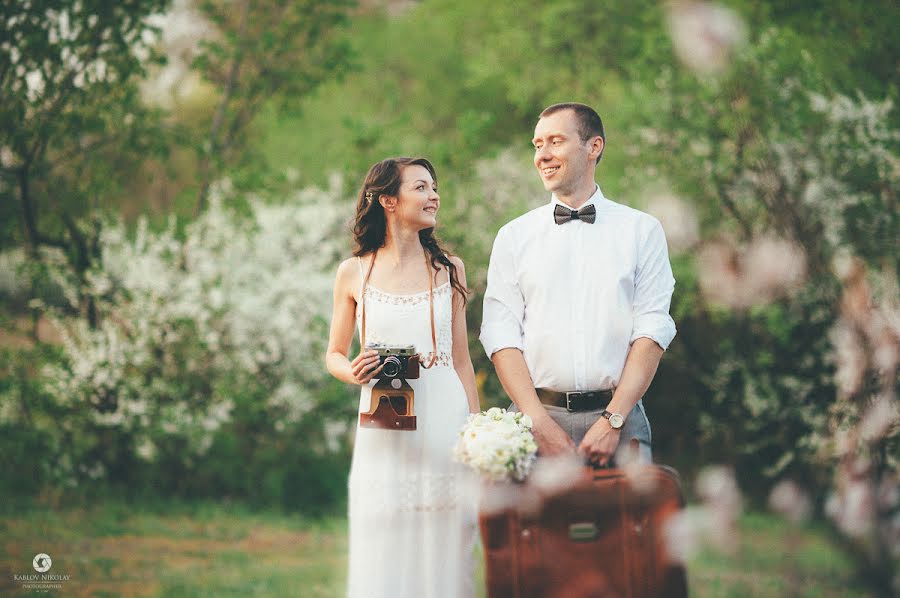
x=348, y=278
x=456, y=260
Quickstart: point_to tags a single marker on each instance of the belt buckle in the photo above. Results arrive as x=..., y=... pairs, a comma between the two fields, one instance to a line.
x=569, y=397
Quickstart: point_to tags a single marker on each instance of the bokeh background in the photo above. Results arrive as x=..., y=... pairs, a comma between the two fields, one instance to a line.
x=177, y=179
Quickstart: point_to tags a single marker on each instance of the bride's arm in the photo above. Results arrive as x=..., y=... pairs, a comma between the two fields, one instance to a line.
x=343, y=323
x=462, y=361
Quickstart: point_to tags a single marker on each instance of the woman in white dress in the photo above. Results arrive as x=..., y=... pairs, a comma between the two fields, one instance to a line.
x=411, y=507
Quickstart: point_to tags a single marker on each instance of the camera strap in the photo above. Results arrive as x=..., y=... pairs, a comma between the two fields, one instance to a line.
x=362, y=298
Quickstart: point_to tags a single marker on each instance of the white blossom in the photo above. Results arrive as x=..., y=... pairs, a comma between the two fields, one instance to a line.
x=678, y=219
x=713, y=522
x=497, y=444
x=705, y=35
x=555, y=475
x=753, y=274
x=790, y=501
x=183, y=29
x=852, y=507
x=879, y=418
x=234, y=298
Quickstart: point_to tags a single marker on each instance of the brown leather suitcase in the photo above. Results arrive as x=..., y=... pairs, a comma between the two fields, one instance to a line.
x=601, y=538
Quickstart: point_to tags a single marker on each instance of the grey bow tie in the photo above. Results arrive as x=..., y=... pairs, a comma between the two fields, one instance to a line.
x=562, y=214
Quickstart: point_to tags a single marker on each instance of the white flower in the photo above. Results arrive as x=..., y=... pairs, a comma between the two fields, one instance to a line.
x=497, y=444
x=677, y=218
x=705, y=36
x=750, y=275
x=227, y=299
x=789, y=500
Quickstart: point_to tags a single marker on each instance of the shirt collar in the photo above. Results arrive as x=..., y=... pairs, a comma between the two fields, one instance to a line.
x=597, y=199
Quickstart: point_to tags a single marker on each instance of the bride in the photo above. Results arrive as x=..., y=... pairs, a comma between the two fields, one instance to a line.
x=411, y=509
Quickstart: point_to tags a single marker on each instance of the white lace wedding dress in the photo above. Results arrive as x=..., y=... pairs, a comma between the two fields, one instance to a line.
x=412, y=510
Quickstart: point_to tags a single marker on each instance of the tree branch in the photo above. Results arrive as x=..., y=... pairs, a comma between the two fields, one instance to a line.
x=240, y=120
x=82, y=263
x=82, y=150
x=219, y=118
x=33, y=237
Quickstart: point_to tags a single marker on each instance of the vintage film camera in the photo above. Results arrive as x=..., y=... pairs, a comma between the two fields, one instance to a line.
x=391, y=407
x=399, y=362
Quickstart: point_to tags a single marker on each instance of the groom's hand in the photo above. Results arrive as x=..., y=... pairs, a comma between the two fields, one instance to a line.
x=599, y=443
x=551, y=439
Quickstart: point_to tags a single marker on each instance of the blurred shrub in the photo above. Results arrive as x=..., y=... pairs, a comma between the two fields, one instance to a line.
x=213, y=337
x=788, y=178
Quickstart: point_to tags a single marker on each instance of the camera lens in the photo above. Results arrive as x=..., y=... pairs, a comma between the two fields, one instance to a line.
x=391, y=367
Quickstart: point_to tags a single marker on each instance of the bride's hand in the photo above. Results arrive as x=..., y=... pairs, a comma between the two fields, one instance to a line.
x=365, y=366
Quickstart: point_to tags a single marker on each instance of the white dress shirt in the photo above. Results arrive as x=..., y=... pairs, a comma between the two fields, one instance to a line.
x=573, y=297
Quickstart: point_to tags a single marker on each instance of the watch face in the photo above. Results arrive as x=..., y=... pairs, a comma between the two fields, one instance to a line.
x=616, y=421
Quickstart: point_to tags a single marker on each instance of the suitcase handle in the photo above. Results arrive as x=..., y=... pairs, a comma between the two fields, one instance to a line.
x=634, y=445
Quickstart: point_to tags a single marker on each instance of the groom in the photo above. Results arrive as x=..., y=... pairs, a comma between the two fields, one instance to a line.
x=576, y=311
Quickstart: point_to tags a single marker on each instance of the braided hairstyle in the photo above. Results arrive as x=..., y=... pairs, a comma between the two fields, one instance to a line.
x=370, y=224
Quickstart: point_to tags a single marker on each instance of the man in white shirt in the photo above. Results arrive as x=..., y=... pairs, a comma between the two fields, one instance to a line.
x=576, y=311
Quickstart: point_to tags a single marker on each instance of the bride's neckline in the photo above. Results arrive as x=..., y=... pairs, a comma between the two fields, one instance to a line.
x=425, y=292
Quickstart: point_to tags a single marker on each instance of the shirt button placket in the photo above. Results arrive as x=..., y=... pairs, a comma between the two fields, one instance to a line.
x=579, y=308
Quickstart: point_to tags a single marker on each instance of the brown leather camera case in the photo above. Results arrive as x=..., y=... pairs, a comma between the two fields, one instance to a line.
x=391, y=408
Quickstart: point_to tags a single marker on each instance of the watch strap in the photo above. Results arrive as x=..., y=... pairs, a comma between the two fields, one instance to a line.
x=609, y=415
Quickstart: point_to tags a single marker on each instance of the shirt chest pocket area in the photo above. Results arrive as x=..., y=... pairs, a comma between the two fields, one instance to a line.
x=553, y=274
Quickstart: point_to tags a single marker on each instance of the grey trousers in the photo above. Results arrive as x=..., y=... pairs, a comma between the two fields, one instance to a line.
x=577, y=423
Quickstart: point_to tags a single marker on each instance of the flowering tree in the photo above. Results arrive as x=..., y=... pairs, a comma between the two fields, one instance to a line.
x=795, y=187
x=191, y=329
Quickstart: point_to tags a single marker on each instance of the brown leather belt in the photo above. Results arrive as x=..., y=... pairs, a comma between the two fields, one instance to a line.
x=588, y=400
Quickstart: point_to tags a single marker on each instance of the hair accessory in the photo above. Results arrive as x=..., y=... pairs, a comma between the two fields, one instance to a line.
x=369, y=197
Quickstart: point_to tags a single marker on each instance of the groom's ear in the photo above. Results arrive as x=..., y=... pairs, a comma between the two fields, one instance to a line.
x=597, y=145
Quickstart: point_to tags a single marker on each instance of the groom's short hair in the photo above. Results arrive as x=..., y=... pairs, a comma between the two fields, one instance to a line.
x=589, y=123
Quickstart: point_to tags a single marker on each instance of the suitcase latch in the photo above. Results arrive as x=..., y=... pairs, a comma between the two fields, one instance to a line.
x=583, y=532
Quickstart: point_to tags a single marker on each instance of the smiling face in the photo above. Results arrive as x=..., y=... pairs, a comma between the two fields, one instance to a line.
x=417, y=201
x=564, y=161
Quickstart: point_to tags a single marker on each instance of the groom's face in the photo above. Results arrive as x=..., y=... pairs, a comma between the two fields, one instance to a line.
x=562, y=159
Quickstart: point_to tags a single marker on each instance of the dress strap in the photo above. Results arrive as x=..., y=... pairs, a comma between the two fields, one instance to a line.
x=362, y=298
x=361, y=281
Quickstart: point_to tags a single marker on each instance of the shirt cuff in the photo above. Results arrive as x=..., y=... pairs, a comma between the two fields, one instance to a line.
x=494, y=338
x=658, y=328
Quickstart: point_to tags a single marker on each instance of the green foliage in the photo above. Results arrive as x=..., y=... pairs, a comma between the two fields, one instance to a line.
x=72, y=126
x=33, y=432
x=274, y=52
x=772, y=146
x=755, y=149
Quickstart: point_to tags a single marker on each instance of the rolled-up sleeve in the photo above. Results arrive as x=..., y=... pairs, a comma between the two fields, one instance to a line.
x=654, y=285
x=503, y=315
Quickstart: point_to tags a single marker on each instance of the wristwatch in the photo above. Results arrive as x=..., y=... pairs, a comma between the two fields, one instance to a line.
x=615, y=419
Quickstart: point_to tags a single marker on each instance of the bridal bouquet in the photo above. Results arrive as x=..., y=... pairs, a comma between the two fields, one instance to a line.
x=497, y=444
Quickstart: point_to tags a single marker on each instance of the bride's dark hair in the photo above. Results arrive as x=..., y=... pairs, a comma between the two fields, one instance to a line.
x=370, y=226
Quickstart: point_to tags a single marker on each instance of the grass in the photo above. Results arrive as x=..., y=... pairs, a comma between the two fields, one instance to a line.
x=207, y=550
x=772, y=558
x=113, y=549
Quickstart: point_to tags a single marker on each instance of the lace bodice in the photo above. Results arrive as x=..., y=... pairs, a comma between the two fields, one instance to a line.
x=406, y=320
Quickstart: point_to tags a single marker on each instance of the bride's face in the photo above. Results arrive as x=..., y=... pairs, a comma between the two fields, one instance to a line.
x=417, y=200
